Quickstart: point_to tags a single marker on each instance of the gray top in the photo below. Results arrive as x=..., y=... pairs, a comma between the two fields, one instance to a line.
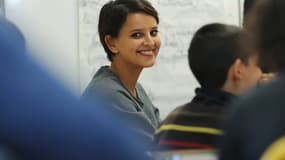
x=139, y=111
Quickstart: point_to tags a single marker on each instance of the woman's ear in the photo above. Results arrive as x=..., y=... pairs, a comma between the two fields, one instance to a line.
x=111, y=44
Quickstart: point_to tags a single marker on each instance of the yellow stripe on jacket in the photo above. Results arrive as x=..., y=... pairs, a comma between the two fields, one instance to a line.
x=189, y=129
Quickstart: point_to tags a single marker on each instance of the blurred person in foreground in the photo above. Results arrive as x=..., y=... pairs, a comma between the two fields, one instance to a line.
x=255, y=128
x=40, y=120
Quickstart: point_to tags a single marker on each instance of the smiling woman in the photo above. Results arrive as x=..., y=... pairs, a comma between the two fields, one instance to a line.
x=128, y=31
x=137, y=44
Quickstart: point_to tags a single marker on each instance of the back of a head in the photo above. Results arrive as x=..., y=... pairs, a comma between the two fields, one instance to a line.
x=247, y=6
x=265, y=28
x=212, y=51
x=10, y=36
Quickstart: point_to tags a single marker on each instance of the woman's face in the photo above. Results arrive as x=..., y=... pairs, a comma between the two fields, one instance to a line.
x=138, y=42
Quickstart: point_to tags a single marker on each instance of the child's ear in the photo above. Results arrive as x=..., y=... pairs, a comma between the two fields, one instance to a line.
x=237, y=69
x=111, y=44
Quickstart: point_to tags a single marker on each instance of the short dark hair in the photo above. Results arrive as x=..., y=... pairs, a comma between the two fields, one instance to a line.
x=213, y=50
x=114, y=14
x=266, y=33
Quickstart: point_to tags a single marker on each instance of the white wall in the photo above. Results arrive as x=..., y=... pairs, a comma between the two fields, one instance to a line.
x=50, y=27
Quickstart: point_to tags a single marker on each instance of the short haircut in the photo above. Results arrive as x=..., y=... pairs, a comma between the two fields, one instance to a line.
x=213, y=50
x=114, y=14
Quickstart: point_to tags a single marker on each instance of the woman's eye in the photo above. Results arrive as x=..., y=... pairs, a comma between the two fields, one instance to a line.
x=136, y=35
x=154, y=33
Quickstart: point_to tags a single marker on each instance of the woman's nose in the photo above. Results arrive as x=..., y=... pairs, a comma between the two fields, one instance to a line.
x=148, y=40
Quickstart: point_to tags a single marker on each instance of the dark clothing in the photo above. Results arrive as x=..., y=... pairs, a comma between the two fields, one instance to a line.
x=195, y=125
x=255, y=121
x=40, y=120
x=136, y=110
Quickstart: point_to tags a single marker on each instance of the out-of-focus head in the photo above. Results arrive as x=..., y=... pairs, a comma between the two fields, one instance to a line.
x=114, y=14
x=35, y=110
x=247, y=6
x=265, y=33
x=11, y=37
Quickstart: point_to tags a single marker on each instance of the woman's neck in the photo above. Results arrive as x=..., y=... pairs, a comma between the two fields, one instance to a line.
x=128, y=75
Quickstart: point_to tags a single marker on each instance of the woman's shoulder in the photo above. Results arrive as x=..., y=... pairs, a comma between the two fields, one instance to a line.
x=106, y=79
x=104, y=82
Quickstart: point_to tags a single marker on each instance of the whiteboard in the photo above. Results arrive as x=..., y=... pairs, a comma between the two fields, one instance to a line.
x=169, y=82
